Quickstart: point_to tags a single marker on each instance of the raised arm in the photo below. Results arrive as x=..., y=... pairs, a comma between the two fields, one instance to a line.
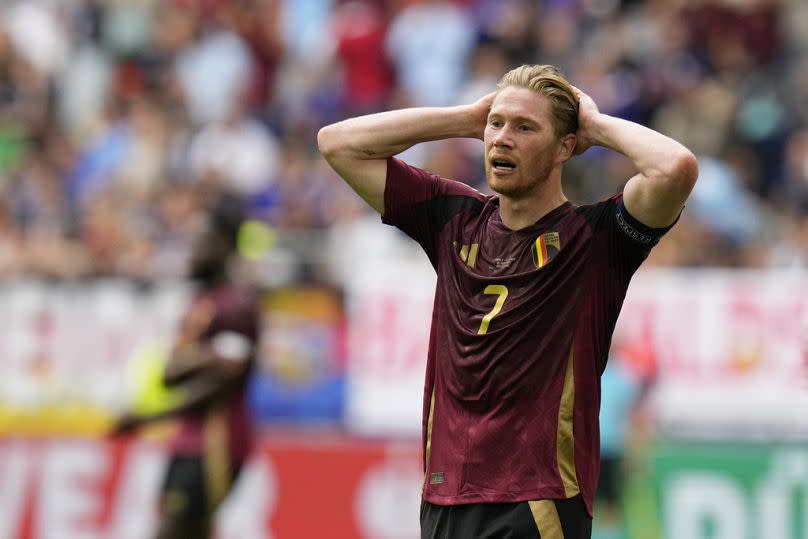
x=358, y=148
x=667, y=170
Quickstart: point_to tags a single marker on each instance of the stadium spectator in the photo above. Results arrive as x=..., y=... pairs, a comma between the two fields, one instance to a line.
x=359, y=29
x=105, y=93
x=429, y=42
x=622, y=386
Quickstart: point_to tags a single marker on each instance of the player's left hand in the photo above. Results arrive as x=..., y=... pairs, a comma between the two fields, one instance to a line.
x=587, y=112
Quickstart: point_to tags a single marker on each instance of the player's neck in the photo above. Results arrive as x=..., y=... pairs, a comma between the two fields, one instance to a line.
x=522, y=212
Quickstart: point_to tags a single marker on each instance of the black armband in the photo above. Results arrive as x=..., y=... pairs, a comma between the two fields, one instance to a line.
x=637, y=231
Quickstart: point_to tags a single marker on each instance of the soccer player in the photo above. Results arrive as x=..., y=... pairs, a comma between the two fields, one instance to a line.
x=529, y=287
x=213, y=355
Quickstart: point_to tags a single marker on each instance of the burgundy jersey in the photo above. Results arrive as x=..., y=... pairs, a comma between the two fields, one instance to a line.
x=521, y=327
x=223, y=426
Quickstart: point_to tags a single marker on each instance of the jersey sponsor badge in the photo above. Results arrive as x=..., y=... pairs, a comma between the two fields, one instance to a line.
x=545, y=248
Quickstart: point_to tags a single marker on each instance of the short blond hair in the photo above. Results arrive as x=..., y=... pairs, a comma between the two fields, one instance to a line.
x=548, y=81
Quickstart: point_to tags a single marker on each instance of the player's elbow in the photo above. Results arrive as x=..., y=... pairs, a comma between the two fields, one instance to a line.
x=686, y=169
x=329, y=141
x=680, y=172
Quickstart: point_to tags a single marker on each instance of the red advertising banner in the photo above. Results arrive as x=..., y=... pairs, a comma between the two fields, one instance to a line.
x=294, y=487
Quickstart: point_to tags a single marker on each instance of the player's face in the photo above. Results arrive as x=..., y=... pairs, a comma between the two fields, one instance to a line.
x=521, y=149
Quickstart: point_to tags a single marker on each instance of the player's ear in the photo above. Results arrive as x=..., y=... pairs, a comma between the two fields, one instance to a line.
x=566, y=147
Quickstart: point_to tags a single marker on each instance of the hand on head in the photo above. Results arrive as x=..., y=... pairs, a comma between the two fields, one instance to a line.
x=587, y=111
x=481, y=109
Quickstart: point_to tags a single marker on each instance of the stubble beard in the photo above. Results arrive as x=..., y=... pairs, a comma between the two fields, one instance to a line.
x=516, y=189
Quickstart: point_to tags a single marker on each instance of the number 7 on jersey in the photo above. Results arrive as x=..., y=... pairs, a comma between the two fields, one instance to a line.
x=501, y=291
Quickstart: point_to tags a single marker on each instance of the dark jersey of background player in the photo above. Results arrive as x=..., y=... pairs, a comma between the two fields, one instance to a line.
x=213, y=438
x=212, y=357
x=521, y=328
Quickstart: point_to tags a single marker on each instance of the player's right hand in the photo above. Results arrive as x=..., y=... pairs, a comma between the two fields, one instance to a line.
x=481, y=109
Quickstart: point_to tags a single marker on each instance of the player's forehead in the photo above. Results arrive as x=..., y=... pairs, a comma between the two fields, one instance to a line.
x=517, y=102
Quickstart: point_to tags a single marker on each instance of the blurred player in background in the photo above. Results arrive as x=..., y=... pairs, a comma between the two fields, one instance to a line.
x=211, y=361
x=622, y=388
x=529, y=287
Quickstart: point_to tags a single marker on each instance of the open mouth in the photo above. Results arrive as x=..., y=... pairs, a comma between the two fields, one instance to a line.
x=500, y=164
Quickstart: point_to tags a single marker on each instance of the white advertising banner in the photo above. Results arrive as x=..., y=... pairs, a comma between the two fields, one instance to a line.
x=71, y=343
x=389, y=306
x=730, y=349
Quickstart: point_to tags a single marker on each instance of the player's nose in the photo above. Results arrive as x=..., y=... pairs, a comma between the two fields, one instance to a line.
x=503, y=137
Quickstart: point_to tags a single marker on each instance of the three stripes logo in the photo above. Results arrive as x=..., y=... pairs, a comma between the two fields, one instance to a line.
x=468, y=253
x=545, y=248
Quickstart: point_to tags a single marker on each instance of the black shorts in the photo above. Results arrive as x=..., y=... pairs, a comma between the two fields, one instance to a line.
x=187, y=488
x=543, y=519
x=610, y=483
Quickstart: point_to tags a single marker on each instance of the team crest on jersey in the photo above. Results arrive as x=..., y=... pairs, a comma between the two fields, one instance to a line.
x=545, y=248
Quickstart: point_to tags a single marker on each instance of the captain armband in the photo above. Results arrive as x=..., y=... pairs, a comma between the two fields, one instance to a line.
x=637, y=231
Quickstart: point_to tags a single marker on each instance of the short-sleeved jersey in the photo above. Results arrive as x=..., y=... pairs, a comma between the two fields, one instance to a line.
x=521, y=328
x=223, y=426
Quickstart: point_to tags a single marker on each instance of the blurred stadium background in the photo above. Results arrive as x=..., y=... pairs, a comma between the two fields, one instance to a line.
x=119, y=118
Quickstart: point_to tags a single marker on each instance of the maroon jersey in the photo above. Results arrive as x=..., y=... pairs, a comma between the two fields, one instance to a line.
x=223, y=426
x=521, y=327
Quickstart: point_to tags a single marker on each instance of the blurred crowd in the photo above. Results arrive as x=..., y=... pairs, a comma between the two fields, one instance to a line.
x=120, y=120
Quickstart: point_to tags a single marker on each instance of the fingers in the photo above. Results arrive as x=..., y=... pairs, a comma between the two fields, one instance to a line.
x=583, y=97
x=487, y=100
